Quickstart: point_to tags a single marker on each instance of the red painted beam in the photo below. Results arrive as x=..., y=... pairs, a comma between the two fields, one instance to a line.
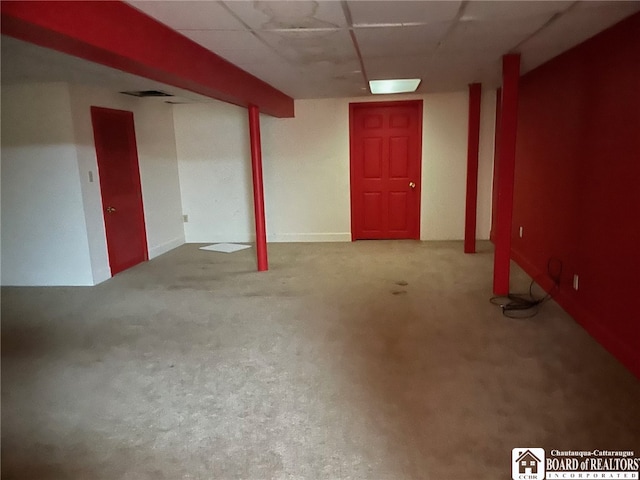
x=117, y=35
x=506, y=172
x=258, y=190
x=473, y=146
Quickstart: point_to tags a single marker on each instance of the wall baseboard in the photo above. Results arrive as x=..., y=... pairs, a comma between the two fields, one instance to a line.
x=101, y=275
x=104, y=274
x=614, y=344
x=165, y=247
x=242, y=239
x=281, y=238
x=309, y=237
x=303, y=237
x=597, y=329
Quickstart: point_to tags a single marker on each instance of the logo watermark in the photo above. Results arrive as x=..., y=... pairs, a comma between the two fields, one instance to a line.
x=527, y=464
x=536, y=464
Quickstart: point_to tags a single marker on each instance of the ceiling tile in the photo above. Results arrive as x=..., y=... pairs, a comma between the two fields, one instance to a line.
x=510, y=10
x=270, y=15
x=628, y=6
x=215, y=40
x=455, y=72
x=479, y=35
x=392, y=41
x=578, y=24
x=187, y=15
x=316, y=81
x=306, y=48
x=382, y=68
x=242, y=48
x=377, y=12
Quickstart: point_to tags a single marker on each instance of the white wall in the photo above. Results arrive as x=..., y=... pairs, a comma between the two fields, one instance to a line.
x=485, y=163
x=215, y=172
x=306, y=170
x=444, y=168
x=52, y=221
x=158, y=171
x=52, y=224
x=44, y=238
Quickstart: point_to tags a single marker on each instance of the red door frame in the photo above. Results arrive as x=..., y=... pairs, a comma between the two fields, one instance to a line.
x=135, y=172
x=418, y=189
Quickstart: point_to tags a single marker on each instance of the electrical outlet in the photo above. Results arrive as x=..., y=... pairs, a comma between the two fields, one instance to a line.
x=521, y=231
x=185, y=218
x=575, y=281
x=90, y=176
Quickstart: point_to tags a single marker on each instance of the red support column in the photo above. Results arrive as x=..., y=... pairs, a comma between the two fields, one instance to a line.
x=496, y=163
x=473, y=145
x=258, y=191
x=505, y=173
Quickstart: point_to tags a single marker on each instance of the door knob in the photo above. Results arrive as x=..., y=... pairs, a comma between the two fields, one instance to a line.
x=412, y=185
x=110, y=209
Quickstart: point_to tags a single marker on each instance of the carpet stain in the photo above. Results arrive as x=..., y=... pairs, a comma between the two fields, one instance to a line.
x=170, y=371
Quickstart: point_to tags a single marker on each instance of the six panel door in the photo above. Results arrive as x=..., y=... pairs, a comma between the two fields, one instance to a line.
x=386, y=151
x=114, y=136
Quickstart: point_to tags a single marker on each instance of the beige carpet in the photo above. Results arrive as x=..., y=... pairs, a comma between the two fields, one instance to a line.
x=365, y=360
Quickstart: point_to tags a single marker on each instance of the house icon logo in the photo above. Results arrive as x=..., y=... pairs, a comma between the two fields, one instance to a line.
x=527, y=464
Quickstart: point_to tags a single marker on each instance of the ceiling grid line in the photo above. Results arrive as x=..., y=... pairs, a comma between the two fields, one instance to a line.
x=554, y=18
x=354, y=40
x=454, y=24
x=250, y=30
x=326, y=48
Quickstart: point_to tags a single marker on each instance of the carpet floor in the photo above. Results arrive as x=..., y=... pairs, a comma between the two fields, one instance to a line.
x=365, y=361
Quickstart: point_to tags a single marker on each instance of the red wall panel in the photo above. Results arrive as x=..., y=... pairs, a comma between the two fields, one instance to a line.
x=577, y=183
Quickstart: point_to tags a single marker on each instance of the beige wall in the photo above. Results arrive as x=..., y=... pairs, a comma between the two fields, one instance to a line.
x=306, y=170
x=44, y=239
x=157, y=160
x=212, y=142
x=52, y=223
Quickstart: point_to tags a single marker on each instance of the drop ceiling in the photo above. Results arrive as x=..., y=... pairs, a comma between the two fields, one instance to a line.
x=320, y=49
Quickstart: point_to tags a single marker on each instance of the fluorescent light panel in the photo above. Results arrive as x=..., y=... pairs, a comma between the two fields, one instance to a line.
x=401, y=85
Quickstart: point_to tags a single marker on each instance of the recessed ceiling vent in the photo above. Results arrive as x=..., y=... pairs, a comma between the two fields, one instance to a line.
x=148, y=93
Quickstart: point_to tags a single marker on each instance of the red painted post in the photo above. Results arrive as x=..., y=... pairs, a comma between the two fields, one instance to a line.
x=258, y=191
x=505, y=174
x=496, y=167
x=473, y=145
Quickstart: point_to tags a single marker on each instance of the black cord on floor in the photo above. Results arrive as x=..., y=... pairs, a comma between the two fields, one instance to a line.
x=523, y=305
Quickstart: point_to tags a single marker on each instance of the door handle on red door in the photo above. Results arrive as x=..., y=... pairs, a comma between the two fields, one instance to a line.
x=110, y=209
x=412, y=185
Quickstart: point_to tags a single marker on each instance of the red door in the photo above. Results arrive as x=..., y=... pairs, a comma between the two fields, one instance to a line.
x=386, y=157
x=115, y=140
